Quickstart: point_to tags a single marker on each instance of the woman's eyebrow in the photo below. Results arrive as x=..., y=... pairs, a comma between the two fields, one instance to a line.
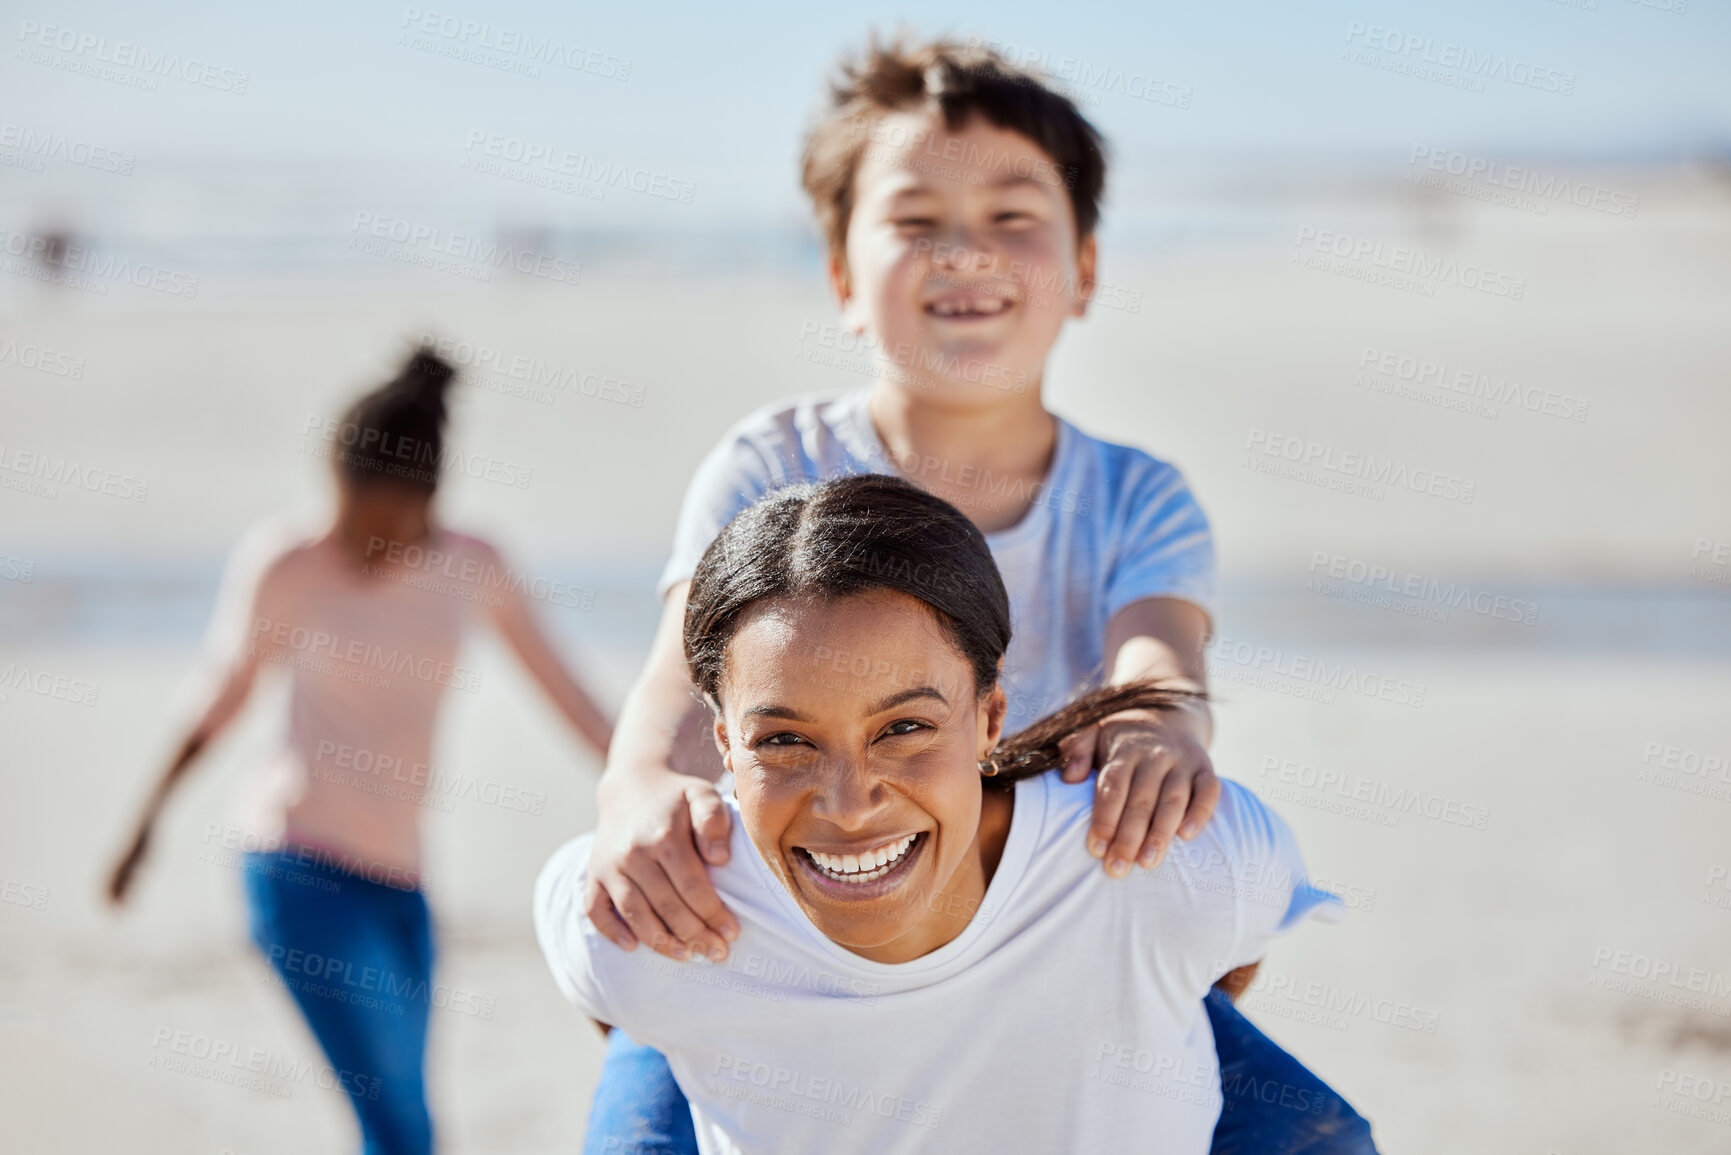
x=909, y=695
x=783, y=712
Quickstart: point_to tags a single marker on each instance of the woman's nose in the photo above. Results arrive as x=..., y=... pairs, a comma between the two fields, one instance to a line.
x=851, y=794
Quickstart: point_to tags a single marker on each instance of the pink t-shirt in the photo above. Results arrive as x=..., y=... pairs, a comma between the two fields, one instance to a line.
x=370, y=649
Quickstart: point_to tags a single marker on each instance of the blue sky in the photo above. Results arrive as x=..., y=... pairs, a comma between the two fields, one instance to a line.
x=718, y=94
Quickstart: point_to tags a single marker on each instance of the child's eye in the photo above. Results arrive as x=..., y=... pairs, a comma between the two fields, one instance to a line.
x=915, y=223
x=1015, y=218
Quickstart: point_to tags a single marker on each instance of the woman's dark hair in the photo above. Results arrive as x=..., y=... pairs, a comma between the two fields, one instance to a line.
x=869, y=532
x=396, y=433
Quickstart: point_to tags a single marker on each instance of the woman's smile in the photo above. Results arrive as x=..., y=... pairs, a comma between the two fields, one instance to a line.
x=859, y=877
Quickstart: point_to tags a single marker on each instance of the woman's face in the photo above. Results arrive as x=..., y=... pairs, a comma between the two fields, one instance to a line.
x=854, y=733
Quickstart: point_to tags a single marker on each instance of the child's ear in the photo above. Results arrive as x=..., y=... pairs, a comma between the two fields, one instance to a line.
x=842, y=286
x=1087, y=258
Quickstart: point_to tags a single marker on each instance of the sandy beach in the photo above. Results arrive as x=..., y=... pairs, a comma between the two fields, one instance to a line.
x=1531, y=839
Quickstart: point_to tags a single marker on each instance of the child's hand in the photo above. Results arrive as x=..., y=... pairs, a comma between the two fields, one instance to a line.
x=646, y=880
x=126, y=869
x=1155, y=780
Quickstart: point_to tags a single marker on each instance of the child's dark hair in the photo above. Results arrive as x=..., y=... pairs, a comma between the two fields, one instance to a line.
x=870, y=532
x=396, y=433
x=959, y=80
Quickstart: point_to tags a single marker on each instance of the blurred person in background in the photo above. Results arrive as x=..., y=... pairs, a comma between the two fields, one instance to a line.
x=365, y=611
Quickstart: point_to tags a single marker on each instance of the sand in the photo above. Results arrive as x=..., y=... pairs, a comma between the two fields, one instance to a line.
x=1484, y=995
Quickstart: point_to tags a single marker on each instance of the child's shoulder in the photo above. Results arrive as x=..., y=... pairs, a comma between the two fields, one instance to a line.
x=1116, y=458
x=804, y=438
x=276, y=547
x=1123, y=481
x=796, y=418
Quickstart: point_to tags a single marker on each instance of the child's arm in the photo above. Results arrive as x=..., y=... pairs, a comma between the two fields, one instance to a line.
x=1233, y=983
x=647, y=880
x=231, y=663
x=125, y=868
x=1155, y=776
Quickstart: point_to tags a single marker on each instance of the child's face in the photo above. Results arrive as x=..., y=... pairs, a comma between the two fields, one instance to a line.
x=853, y=730
x=962, y=257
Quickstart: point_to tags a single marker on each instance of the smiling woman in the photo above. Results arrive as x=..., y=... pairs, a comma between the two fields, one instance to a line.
x=910, y=882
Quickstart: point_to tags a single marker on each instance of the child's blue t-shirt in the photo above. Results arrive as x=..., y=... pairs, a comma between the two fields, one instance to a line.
x=1110, y=525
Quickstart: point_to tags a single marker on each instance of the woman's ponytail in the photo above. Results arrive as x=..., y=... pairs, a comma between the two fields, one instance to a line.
x=1037, y=749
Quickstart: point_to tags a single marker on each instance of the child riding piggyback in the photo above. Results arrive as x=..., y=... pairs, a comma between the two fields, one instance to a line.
x=959, y=196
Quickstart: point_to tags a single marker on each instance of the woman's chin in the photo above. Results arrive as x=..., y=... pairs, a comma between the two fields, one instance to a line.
x=860, y=933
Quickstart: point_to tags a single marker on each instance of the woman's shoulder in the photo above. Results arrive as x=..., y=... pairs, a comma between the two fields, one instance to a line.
x=1242, y=833
x=561, y=877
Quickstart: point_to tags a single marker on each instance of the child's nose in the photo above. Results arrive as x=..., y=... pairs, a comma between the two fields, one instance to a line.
x=962, y=249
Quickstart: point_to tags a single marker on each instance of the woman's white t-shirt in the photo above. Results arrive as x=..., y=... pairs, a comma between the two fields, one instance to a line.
x=1067, y=1015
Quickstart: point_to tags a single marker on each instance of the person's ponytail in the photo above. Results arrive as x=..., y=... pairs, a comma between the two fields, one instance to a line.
x=1037, y=749
x=396, y=433
x=425, y=378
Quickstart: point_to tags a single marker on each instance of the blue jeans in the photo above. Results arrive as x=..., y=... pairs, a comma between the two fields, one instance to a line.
x=1273, y=1102
x=1274, y=1106
x=357, y=957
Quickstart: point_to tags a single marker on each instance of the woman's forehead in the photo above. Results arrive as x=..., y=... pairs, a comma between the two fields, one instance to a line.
x=868, y=645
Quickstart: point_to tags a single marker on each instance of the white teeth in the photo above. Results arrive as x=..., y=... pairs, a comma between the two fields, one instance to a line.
x=862, y=867
x=985, y=308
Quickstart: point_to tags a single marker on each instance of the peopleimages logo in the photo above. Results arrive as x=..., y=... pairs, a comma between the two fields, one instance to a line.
x=1409, y=374
x=1272, y=667
x=1356, y=580
x=42, y=474
x=513, y=49
x=531, y=376
x=1390, y=800
x=459, y=253
x=1398, y=260
x=1354, y=469
x=583, y=167
x=82, y=268
x=357, y=659
x=40, y=145
x=63, y=687
x=800, y=1091
x=29, y=355
x=1543, y=187
x=1405, y=52
x=84, y=52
